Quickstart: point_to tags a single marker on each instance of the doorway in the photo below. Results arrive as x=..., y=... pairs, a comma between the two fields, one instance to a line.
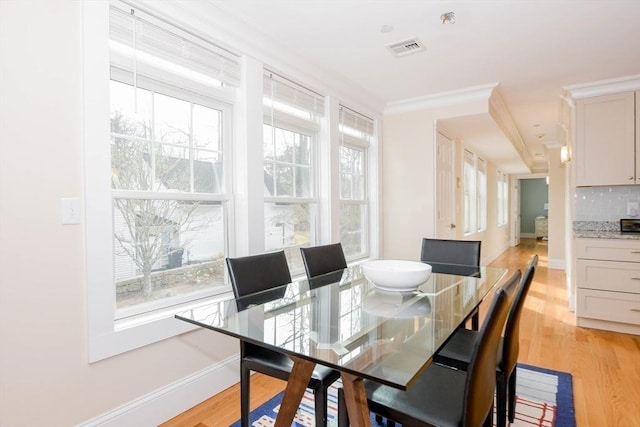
x=445, y=188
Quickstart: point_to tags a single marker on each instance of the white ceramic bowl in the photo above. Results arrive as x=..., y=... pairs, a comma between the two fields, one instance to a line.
x=396, y=275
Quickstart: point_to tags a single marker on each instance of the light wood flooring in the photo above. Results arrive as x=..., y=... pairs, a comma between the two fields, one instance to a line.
x=605, y=365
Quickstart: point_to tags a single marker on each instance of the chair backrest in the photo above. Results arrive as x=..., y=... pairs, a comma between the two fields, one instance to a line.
x=452, y=256
x=481, y=375
x=511, y=344
x=257, y=273
x=319, y=260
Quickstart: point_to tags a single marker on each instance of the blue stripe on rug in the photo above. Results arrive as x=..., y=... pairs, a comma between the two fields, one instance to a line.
x=544, y=398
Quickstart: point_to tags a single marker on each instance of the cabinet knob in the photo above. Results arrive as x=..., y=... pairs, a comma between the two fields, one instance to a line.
x=630, y=177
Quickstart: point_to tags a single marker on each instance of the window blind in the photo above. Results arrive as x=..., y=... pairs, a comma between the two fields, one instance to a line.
x=280, y=93
x=145, y=41
x=355, y=124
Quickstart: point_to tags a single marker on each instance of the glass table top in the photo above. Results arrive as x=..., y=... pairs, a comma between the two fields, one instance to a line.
x=342, y=320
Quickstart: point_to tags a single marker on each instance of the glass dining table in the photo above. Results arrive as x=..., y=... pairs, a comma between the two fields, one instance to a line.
x=343, y=321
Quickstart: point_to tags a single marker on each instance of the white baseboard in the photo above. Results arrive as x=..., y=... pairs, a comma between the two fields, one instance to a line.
x=489, y=259
x=173, y=399
x=556, y=264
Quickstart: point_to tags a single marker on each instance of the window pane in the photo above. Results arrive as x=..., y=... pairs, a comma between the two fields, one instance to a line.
x=268, y=143
x=352, y=170
x=345, y=186
x=303, y=184
x=130, y=115
x=287, y=226
x=130, y=164
x=284, y=180
x=172, y=120
x=207, y=172
x=353, y=226
x=166, y=249
x=173, y=168
x=284, y=145
x=207, y=129
x=303, y=147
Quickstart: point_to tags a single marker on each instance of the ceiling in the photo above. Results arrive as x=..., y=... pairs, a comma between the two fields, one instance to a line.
x=530, y=48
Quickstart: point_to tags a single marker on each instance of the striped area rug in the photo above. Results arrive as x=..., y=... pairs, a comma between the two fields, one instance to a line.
x=544, y=399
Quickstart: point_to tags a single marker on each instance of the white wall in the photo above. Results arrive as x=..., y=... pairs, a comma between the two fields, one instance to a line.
x=45, y=378
x=408, y=182
x=557, y=216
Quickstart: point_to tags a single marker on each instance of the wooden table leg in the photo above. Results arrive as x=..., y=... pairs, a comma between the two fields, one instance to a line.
x=356, y=399
x=296, y=386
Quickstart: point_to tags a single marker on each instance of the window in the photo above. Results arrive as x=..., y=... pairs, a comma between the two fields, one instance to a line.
x=356, y=132
x=481, y=167
x=474, y=193
x=158, y=174
x=292, y=120
x=469, y=192
x=503, y=198
x=168, y=165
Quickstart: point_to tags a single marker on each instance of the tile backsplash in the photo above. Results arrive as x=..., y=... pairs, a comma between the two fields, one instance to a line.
x=605, y=203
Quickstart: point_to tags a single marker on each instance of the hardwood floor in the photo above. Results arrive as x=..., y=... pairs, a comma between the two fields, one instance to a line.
x=605, y=365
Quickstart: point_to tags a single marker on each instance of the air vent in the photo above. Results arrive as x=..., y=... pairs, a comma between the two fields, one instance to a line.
x=406, y=47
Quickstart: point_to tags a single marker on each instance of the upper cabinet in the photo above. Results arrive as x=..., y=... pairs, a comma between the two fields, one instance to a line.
x=607, y=131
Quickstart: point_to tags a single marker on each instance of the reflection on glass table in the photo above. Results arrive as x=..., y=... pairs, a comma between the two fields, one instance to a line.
x=350, y=325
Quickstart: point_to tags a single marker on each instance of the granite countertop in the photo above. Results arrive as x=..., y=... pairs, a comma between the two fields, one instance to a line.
x=601, y=230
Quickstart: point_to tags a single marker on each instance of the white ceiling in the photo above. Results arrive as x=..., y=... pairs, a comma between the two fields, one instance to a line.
x=531, y=48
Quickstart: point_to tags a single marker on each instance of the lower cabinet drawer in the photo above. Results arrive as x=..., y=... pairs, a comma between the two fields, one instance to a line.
x=612, y=306
x=608, y=275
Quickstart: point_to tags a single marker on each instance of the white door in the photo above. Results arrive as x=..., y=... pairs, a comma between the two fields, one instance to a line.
x=445, y=188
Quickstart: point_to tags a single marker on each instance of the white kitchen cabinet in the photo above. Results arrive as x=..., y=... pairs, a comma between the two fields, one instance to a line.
x=607, y=132
x=608, y=284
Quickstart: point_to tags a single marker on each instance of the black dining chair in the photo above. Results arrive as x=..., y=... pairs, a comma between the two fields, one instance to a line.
x=442, y=396
x=321, y=260
x=461, y=257
x=260, y=273
x=457, y=351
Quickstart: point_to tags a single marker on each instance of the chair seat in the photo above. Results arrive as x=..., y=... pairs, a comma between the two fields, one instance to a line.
x=436, y=398
x=279, y=366
x=456, y=353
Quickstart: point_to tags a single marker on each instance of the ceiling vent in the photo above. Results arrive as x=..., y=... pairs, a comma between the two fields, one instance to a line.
x=406, y=47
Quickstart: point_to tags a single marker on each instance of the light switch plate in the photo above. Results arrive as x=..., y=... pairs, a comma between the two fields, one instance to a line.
x=70, y=208
x=632, y=208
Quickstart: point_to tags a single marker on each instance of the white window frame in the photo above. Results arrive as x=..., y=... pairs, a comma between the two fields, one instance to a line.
x=469, y=190
x=502, y=198
x=481, y=194
x=106, y=336
x=474, y=193
x=359, y=138
x=280, y=115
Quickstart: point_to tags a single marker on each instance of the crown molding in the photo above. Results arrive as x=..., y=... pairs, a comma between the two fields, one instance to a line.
x=442, y=99
x=603, y=87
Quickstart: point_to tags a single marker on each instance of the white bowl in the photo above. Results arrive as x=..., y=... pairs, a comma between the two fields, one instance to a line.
x=396, y=275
